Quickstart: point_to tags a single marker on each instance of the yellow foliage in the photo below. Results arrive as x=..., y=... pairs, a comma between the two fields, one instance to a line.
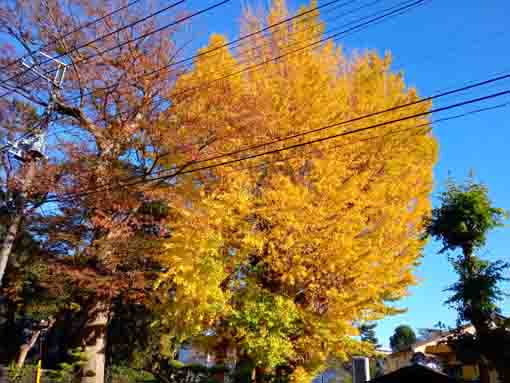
x=333, y=227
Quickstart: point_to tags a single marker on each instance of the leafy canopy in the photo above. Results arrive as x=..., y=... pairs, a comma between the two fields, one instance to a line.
x=282, y=259
x=403, y=338
x=476, y=294
x=464, y=216
x=463, y=221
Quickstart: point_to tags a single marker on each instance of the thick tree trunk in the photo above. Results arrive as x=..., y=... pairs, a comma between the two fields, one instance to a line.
x=94, y=346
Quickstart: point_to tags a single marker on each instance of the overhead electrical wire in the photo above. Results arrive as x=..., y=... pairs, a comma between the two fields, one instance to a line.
x=182, y=171
x=443, y=94
x=324, y=138
x=469, y=86
x=399, y=9
x=363, y=117
x=428, y=125
x=119, y=114
x=392, y=11
x=374, y=20
x=123, y=43
x=73, y=31
x=503, y=75
x=332, y=37
x=206, y=54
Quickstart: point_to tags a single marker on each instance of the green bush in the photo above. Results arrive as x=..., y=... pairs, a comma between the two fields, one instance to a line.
x=124, y=374
x=21, y=375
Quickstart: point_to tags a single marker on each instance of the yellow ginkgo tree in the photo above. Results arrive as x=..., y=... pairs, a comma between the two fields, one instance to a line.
x=280, y=257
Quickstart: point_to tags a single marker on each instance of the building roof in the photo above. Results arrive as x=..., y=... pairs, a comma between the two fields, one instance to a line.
x=415, y=373
x=440, y=335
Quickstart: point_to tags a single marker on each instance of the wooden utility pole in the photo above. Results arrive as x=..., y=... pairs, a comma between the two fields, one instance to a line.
x=29, y=150
x=17, y=218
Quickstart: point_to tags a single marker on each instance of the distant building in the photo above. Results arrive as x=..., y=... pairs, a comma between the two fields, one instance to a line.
x=434, y=353
x=415, y=373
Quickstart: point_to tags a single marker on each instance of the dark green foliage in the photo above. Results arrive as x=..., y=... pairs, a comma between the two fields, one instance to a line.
x=243, y=370
x=478, y=289
x=402, y=339
x=176, y=372
x=132, y=339
x=464, y=217
x=24, y=374
x=70, y=371
x=494, y=346
x=123, y=374
x=367, y=333
x=462, y=222
x=27, y=295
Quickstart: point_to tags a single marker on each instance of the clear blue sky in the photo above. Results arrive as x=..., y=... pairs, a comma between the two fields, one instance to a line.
x=439, y=45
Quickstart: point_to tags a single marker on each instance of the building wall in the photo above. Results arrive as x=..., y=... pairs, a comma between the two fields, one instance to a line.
x=397, y=360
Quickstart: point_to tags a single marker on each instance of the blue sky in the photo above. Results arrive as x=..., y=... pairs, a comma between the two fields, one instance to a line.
x=439, y=45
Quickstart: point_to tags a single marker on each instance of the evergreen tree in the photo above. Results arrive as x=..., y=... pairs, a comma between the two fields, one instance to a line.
x=367, y=334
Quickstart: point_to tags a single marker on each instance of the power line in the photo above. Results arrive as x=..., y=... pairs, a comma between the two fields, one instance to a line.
x=468, y=86
x=182, y=170
x=226, y=45
x=363, y=117
x=471, y=101
x=67, y=34
x=344, y=32
x=464, y=88
x=260, y=31
x=142, y=36
x=236, y=41
x=428, y=125
x=333, y=37
x=374, y=20
x=394, y=11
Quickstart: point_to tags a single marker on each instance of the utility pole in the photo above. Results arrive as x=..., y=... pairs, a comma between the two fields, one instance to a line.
x=28, y=150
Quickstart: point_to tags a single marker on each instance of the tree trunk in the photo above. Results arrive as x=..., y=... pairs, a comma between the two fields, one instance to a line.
x=484, y=373
x=26, y=347
x=8, y=243
x=477, y=320
x=94, y=346
x=504, y=374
